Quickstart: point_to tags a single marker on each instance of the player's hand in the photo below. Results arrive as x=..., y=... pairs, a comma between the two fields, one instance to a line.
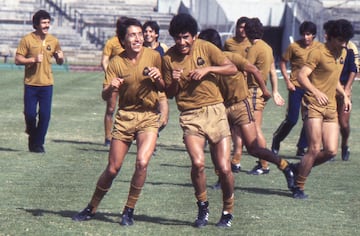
x=279, y=101
x=198, y=74
x=176, y=74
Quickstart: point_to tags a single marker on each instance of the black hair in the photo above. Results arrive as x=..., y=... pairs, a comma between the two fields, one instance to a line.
x=307, y=27
x=212, y=36
x=339, y=28
x=241, y=20
x=254, y=29
x=38, y=16
x=153, y=25
x=181, y=24
x=121, y=28
x=119, y=21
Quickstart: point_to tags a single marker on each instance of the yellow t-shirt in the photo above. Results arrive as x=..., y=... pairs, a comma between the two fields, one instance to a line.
x=138, y=92
x=325, y=75
x=112, y=47
x=234, y=88
x=232, y=45
x=38, y=74
x=195, y=94
x=296, y=54
x=260, y=54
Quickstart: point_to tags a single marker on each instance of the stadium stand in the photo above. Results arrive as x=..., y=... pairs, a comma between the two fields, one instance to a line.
x=83, y=28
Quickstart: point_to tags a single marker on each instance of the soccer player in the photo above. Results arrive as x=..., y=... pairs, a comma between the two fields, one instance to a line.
x=189, y=69
x=135, y=74
x=36, y=51
x=239, y=44
x=238, y=106
x=319, y=76
x=296, y=54
x=347, y=78
x=112, y=48
x=151, y=31
x=260, y=54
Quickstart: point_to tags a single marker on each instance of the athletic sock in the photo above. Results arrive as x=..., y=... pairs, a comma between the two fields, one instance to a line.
x=98, y=195
x=134, y=194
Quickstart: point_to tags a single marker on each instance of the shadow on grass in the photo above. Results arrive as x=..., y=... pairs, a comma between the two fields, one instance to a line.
x=8, y=149
x=265, y=191
x=76, y=142
x=107, y=217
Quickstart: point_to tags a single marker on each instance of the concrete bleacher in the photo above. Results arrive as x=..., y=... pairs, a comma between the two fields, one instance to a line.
x=79, y=44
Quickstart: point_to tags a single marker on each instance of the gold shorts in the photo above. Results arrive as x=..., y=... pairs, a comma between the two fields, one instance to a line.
x=240, y=113
x=328, y=114
x=257, y=101
x=128, y=124
x=210, y=122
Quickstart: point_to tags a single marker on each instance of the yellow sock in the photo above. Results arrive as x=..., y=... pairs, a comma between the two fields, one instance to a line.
x=236, y=159
x=283, y=164
x=300, y=181
x=228, y=204
x=202, y=197
x=134, y=194
x=264, y=164
x=98, y=195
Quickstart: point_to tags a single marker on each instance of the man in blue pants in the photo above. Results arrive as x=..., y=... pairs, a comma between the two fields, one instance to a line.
x=35, y=51
x=296, y=54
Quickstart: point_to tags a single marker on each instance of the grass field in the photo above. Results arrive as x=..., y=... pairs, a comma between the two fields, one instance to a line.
x=40, y=192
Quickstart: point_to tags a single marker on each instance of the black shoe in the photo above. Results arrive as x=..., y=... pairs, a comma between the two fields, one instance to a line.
x=235, y=168
x=345, y=153
x=289, y=176
x=84, y=214
x=225, y=220
x=275, y=146
x=258, y=170
x=37, y=149
x=107, y=142
x=299, y=194
x=127, y=218
x=294, y=167
x=217, y=185
x=203, y=214
x=300, y=152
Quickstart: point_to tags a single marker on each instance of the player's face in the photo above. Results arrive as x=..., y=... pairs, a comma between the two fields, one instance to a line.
x=240, y=31
x=134, y=39
x=150, y=35
x=43, y=27
x=308, y=38
x=184, y=43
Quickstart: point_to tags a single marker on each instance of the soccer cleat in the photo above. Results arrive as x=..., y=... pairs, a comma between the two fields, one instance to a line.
x=203, y=214
x=225, y=220
x=235, y=168
x=299, y=194
x=294, y=168
x=300, y=152
x=217, y=185
x=345, y=153
x=127, y=218
x=275, y=146
x=258, y=170
x=289, y=176
x=107, y=142
x=84, y=215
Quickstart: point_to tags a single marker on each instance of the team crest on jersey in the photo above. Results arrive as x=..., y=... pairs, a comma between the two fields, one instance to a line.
x=48, y=48
x=200, y=61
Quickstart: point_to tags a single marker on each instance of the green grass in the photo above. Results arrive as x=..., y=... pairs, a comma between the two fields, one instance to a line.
x=40, y=192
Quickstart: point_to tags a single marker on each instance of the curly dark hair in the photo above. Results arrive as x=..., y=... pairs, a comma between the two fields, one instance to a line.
x=183, y=23
x=254, y=29
x=340, y=28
